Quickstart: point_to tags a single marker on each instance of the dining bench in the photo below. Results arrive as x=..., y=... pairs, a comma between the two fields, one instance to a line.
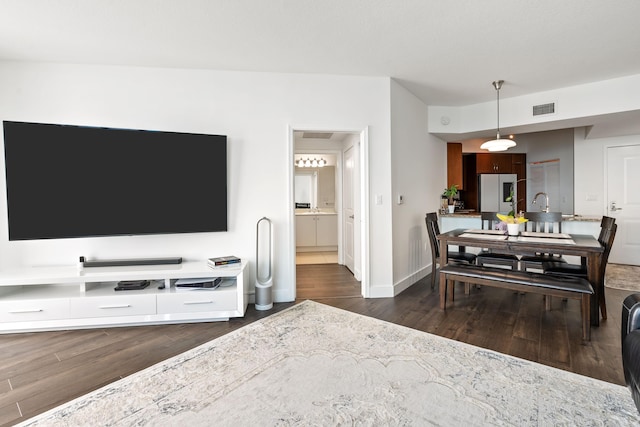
x=520, y=281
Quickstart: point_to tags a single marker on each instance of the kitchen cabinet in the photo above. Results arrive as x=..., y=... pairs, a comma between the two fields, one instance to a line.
x=493, y=163
x=475, y=164
x=305, y=230
x=316, y=230
x=454, y=165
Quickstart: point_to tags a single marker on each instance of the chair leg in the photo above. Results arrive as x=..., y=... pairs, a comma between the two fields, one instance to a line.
x=547, y=302
x=603, y=305
x=433, y=276
x=586, y=317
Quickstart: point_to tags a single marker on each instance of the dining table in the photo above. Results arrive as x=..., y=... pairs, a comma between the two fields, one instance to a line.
x=526, y=243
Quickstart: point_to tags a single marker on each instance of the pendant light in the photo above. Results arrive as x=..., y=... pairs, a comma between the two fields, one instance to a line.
x=498, y=144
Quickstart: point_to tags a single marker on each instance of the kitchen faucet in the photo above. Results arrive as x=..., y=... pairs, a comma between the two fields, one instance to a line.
x=546, y=209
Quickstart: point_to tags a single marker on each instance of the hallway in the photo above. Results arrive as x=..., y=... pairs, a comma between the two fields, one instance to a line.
x=325, y=281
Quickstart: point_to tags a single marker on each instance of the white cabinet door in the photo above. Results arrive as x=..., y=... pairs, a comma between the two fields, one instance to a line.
x=305, y=230
x=327, y=230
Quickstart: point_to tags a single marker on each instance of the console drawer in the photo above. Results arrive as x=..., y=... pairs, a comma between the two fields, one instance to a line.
x=34, y=309
x=197, y=301
x=109, y=306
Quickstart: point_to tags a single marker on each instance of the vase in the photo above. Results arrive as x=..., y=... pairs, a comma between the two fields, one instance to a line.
x=513, y=229
x=452, y=208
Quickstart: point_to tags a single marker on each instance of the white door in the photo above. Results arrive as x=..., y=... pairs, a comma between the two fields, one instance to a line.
x=623, y=202
x=348, y=208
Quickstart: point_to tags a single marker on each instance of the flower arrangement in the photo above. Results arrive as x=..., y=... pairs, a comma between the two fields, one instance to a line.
x=511, y=224
x=510, y=219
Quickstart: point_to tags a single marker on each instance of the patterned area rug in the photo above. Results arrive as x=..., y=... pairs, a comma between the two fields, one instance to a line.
x=317, y=365
x=625, y=277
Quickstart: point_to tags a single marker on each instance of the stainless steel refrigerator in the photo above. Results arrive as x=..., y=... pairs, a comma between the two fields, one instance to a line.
x=494, y=190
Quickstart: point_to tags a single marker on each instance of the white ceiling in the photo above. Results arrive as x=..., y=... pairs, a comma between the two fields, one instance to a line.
x=446, y=52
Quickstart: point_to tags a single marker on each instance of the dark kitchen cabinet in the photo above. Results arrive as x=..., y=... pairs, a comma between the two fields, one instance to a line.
x=475, y=164
x=493, y=163
x=454, y=165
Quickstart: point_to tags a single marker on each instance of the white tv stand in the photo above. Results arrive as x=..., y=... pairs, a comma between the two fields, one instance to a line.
x=52, y=298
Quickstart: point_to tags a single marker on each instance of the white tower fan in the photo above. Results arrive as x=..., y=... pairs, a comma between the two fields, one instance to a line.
x=264, y=267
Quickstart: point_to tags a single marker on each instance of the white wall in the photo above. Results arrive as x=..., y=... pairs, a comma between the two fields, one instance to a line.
x=590, y=171
x=255, y=111
x=419, y=174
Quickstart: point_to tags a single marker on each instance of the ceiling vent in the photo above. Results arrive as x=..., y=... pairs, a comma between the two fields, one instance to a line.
x=317, y=135
x=539, y=110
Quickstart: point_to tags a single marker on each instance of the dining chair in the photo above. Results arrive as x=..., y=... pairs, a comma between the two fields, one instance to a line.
x=433, y=229
x=541, y=222
x=488, y=257
x=608, y=229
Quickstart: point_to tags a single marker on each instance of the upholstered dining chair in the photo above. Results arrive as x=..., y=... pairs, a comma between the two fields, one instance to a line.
x=608, y=229
x=487, y=257
x=433, y=229
x=580, y=270
x=630, y=343
x=541, y=222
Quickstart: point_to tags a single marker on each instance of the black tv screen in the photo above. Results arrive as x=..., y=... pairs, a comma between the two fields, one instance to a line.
x=78, y=181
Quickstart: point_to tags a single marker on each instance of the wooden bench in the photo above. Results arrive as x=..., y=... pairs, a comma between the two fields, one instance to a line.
x=520, y=281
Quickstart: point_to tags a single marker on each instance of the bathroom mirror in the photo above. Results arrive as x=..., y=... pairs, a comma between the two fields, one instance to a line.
x=306, y=188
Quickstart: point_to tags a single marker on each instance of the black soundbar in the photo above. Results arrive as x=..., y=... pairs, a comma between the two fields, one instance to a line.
x=128, y=262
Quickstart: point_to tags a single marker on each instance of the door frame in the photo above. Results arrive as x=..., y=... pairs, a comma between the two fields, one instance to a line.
x=607, y=196
x=362, y=204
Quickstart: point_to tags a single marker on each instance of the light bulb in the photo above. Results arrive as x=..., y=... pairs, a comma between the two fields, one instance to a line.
x=321, y=163
x=300, y=163
x=314, y=163
x=307, y=163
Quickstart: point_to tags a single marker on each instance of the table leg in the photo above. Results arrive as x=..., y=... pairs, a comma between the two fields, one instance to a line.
x=444, y=252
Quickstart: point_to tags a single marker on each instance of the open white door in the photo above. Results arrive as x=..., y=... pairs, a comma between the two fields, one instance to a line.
x=348, y=208
x=623, y=202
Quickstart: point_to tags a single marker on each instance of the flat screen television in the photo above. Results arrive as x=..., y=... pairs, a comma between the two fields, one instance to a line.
x=78, y=181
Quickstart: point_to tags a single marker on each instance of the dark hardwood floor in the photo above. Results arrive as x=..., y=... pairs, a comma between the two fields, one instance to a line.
x=41, y=370
x=325, y=281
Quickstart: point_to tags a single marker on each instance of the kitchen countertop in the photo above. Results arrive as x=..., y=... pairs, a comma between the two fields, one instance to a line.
x=474, y=214
x=305, y=212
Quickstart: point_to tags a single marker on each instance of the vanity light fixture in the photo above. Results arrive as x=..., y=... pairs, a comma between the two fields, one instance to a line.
x=498, y=144
x=308, y=163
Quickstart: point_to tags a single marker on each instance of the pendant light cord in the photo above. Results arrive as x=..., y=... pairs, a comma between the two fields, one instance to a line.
x=498, y=84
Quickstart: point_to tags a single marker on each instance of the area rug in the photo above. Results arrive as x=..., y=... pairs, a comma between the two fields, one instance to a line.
x=625, y=277
x=317, y=365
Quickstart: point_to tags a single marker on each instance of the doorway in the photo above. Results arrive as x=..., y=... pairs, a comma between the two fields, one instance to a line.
x=324, y=241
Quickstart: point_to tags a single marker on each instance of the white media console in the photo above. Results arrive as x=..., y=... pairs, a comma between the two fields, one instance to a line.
x=52, y=298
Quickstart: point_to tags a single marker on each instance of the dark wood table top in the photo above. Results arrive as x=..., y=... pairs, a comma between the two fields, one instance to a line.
x=526, y=243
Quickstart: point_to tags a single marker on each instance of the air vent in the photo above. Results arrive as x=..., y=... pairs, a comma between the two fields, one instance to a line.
x=317, y=135
x=541, y=109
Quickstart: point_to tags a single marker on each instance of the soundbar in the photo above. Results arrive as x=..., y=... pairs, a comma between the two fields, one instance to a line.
x=128, y=262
